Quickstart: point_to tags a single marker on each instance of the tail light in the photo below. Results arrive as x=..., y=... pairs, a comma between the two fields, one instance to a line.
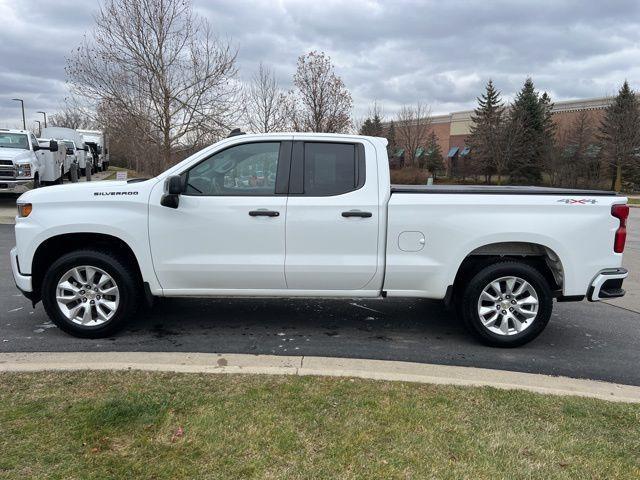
x=621, y=212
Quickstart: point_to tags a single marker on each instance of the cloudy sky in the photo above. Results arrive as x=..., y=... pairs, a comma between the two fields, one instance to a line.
x=393, y=52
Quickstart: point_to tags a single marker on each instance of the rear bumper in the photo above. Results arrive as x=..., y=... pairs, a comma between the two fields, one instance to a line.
x=607, y=284
x=23, y=282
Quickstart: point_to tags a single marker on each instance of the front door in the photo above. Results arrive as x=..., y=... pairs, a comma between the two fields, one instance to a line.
x=228, y=233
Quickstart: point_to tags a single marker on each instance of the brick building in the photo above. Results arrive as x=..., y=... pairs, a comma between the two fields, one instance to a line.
x=453, y=129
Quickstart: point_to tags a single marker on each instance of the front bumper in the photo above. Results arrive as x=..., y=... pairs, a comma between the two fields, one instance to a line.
x=6, y=185
x=23, y=282
x=607, y=284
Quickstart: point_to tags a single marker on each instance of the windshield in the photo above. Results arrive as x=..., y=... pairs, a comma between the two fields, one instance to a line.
x=14, y=140
x=69, y=144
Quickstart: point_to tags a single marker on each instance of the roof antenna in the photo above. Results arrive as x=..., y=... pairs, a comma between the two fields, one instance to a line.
x=235, y=132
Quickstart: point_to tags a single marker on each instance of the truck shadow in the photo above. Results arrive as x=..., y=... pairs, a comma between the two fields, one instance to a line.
x=339, y=327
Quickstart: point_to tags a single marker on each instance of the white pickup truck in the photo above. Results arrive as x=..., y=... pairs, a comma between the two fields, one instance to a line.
x=314, y=215
x=19, y=162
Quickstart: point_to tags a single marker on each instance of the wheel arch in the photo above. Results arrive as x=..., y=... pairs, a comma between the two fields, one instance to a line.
x=542, y=257
x=54, y=247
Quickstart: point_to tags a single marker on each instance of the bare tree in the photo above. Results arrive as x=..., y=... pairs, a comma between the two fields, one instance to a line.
x=265, y=103
x=73, y=115
x=411, y=129
x=576, y=150
x=162, y=66
x=509, y=143
x=320, y=101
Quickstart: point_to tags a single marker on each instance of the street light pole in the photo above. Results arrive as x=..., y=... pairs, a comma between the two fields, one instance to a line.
x=24, y=122
x=39, y=127
x=45, y=118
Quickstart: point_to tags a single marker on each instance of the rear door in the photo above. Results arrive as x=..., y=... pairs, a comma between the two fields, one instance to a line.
x=332, y=216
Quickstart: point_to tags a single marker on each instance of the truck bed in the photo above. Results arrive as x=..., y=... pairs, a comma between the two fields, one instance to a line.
x=497, y=190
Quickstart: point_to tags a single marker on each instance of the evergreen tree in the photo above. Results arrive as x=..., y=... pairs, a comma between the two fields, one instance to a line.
x=433, y=159
x=620, y=135
x=391, y=139
x=366, y=128
x=377, y=126
x=529, y=112
x=548, y=150
x=372, y=126
x=485, y=132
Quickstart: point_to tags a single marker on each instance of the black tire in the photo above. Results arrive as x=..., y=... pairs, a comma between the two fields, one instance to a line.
x=83, y=172
x=470, y=296
x=36, y=181
x=125, y=279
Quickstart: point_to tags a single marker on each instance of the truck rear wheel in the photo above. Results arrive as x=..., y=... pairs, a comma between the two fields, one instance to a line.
x=506, y=304
x=90, y=294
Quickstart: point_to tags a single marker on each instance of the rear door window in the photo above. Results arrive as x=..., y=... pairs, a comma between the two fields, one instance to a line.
x=331, y=168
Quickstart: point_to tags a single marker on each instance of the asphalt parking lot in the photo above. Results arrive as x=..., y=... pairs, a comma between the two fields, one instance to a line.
x=583, y=340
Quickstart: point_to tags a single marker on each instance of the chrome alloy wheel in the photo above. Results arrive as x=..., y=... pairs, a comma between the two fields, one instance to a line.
x=508, y=305
x=87, y=296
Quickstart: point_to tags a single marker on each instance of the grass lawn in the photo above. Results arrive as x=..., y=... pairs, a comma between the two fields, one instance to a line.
x=634, y=201
x=158, y=425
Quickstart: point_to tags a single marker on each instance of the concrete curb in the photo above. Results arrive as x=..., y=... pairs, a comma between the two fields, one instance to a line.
x=317, y=366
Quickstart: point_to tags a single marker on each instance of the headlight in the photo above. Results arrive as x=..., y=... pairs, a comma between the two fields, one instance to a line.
x=23, y=170
x=24, y=209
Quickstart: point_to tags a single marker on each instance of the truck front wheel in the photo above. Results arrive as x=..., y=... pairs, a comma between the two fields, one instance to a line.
x=506, y=304
x=90, y=294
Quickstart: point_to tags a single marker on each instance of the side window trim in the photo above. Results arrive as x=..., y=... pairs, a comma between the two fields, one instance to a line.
x=284, y=166
x=296, y=178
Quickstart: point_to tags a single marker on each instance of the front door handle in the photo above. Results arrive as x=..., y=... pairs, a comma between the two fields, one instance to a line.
x=356, y=213
x=264, y=213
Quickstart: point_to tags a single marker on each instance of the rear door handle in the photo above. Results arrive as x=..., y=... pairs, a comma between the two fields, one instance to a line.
x=356, y=213
x=264, y=213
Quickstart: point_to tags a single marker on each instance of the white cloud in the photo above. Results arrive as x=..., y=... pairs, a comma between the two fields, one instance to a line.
x=395, y=52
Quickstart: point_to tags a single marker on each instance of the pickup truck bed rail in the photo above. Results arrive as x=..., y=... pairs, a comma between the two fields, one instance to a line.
x=497, y=190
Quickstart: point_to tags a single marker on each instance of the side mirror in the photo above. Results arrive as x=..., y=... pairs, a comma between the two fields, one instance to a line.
x=172, y=191
x=173, y=185
x=36, y=147
x=53, y=146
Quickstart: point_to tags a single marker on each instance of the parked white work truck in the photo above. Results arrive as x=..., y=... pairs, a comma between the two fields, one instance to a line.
x=53, y=158
x=314, y=215
x=82, y=152
x=95, y=140
x=19, y=162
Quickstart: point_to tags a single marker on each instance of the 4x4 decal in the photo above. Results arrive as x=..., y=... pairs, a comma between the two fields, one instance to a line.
x=575, y=201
